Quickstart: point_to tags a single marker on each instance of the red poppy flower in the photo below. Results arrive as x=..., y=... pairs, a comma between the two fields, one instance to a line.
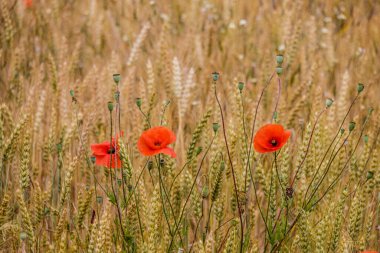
x=28, y=3
x=369, y=251
x=155, y=141
x=105, y=152
x=270, y=138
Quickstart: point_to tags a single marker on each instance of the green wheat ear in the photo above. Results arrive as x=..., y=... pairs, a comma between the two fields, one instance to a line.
x=26, y=222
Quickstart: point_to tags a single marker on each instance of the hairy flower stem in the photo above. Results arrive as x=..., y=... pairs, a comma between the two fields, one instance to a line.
x=196, y=230
x=328, y=188
x=277, y=100
x=118, y=131
x=89, y=167
x=331, y=143
x=191, y=190
x=232, y=171
x=308, y=147
x=341, y=172
x=248, y=166
x=333, y=155
x=113, y=189
x=137, y=182
x=167, y=197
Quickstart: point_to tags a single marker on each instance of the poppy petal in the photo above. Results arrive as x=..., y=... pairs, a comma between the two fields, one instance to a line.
x=101, y=160
x=259, y=148
x=285, y=136
x=168, y=151
x=100, y=148
x=143, y=146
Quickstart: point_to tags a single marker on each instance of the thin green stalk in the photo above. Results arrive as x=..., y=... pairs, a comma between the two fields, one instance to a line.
x=188, y=196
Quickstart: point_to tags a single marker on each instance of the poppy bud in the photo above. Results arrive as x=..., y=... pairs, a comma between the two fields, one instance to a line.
x=150, y=165
x=360, y=87
x=72, y=93
x=241, y=86
x=198, y=151
x=110, y=106
x=369, y=175
x=351, y=126
x=279, y=59
x=23, y=235
x=215, y=76
x=138, y=102
x=365, y=139
x=342, y=131
x=162, y=162
x=329, y=102
x=93, y=159
x=99, y=199
x=116, y=78
x=279, y=70
x=205, y=192
x=215, y=126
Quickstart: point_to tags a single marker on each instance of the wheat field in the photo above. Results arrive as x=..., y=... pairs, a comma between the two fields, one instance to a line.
x=75, y=74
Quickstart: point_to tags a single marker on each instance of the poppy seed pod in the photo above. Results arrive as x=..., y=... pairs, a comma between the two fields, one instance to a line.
x=360, y=87
x=198, y=150
x=116, y=78
x=329, y=102
x=72, y=93
x=342, y=131
x=110, y=106
x=279, y=70
x=138, y=102
x=366, y=138
x=215, y=76
x=241, y=86
x=351, y=126
x=215, y=126
x=369, y=175
x=279, y=59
